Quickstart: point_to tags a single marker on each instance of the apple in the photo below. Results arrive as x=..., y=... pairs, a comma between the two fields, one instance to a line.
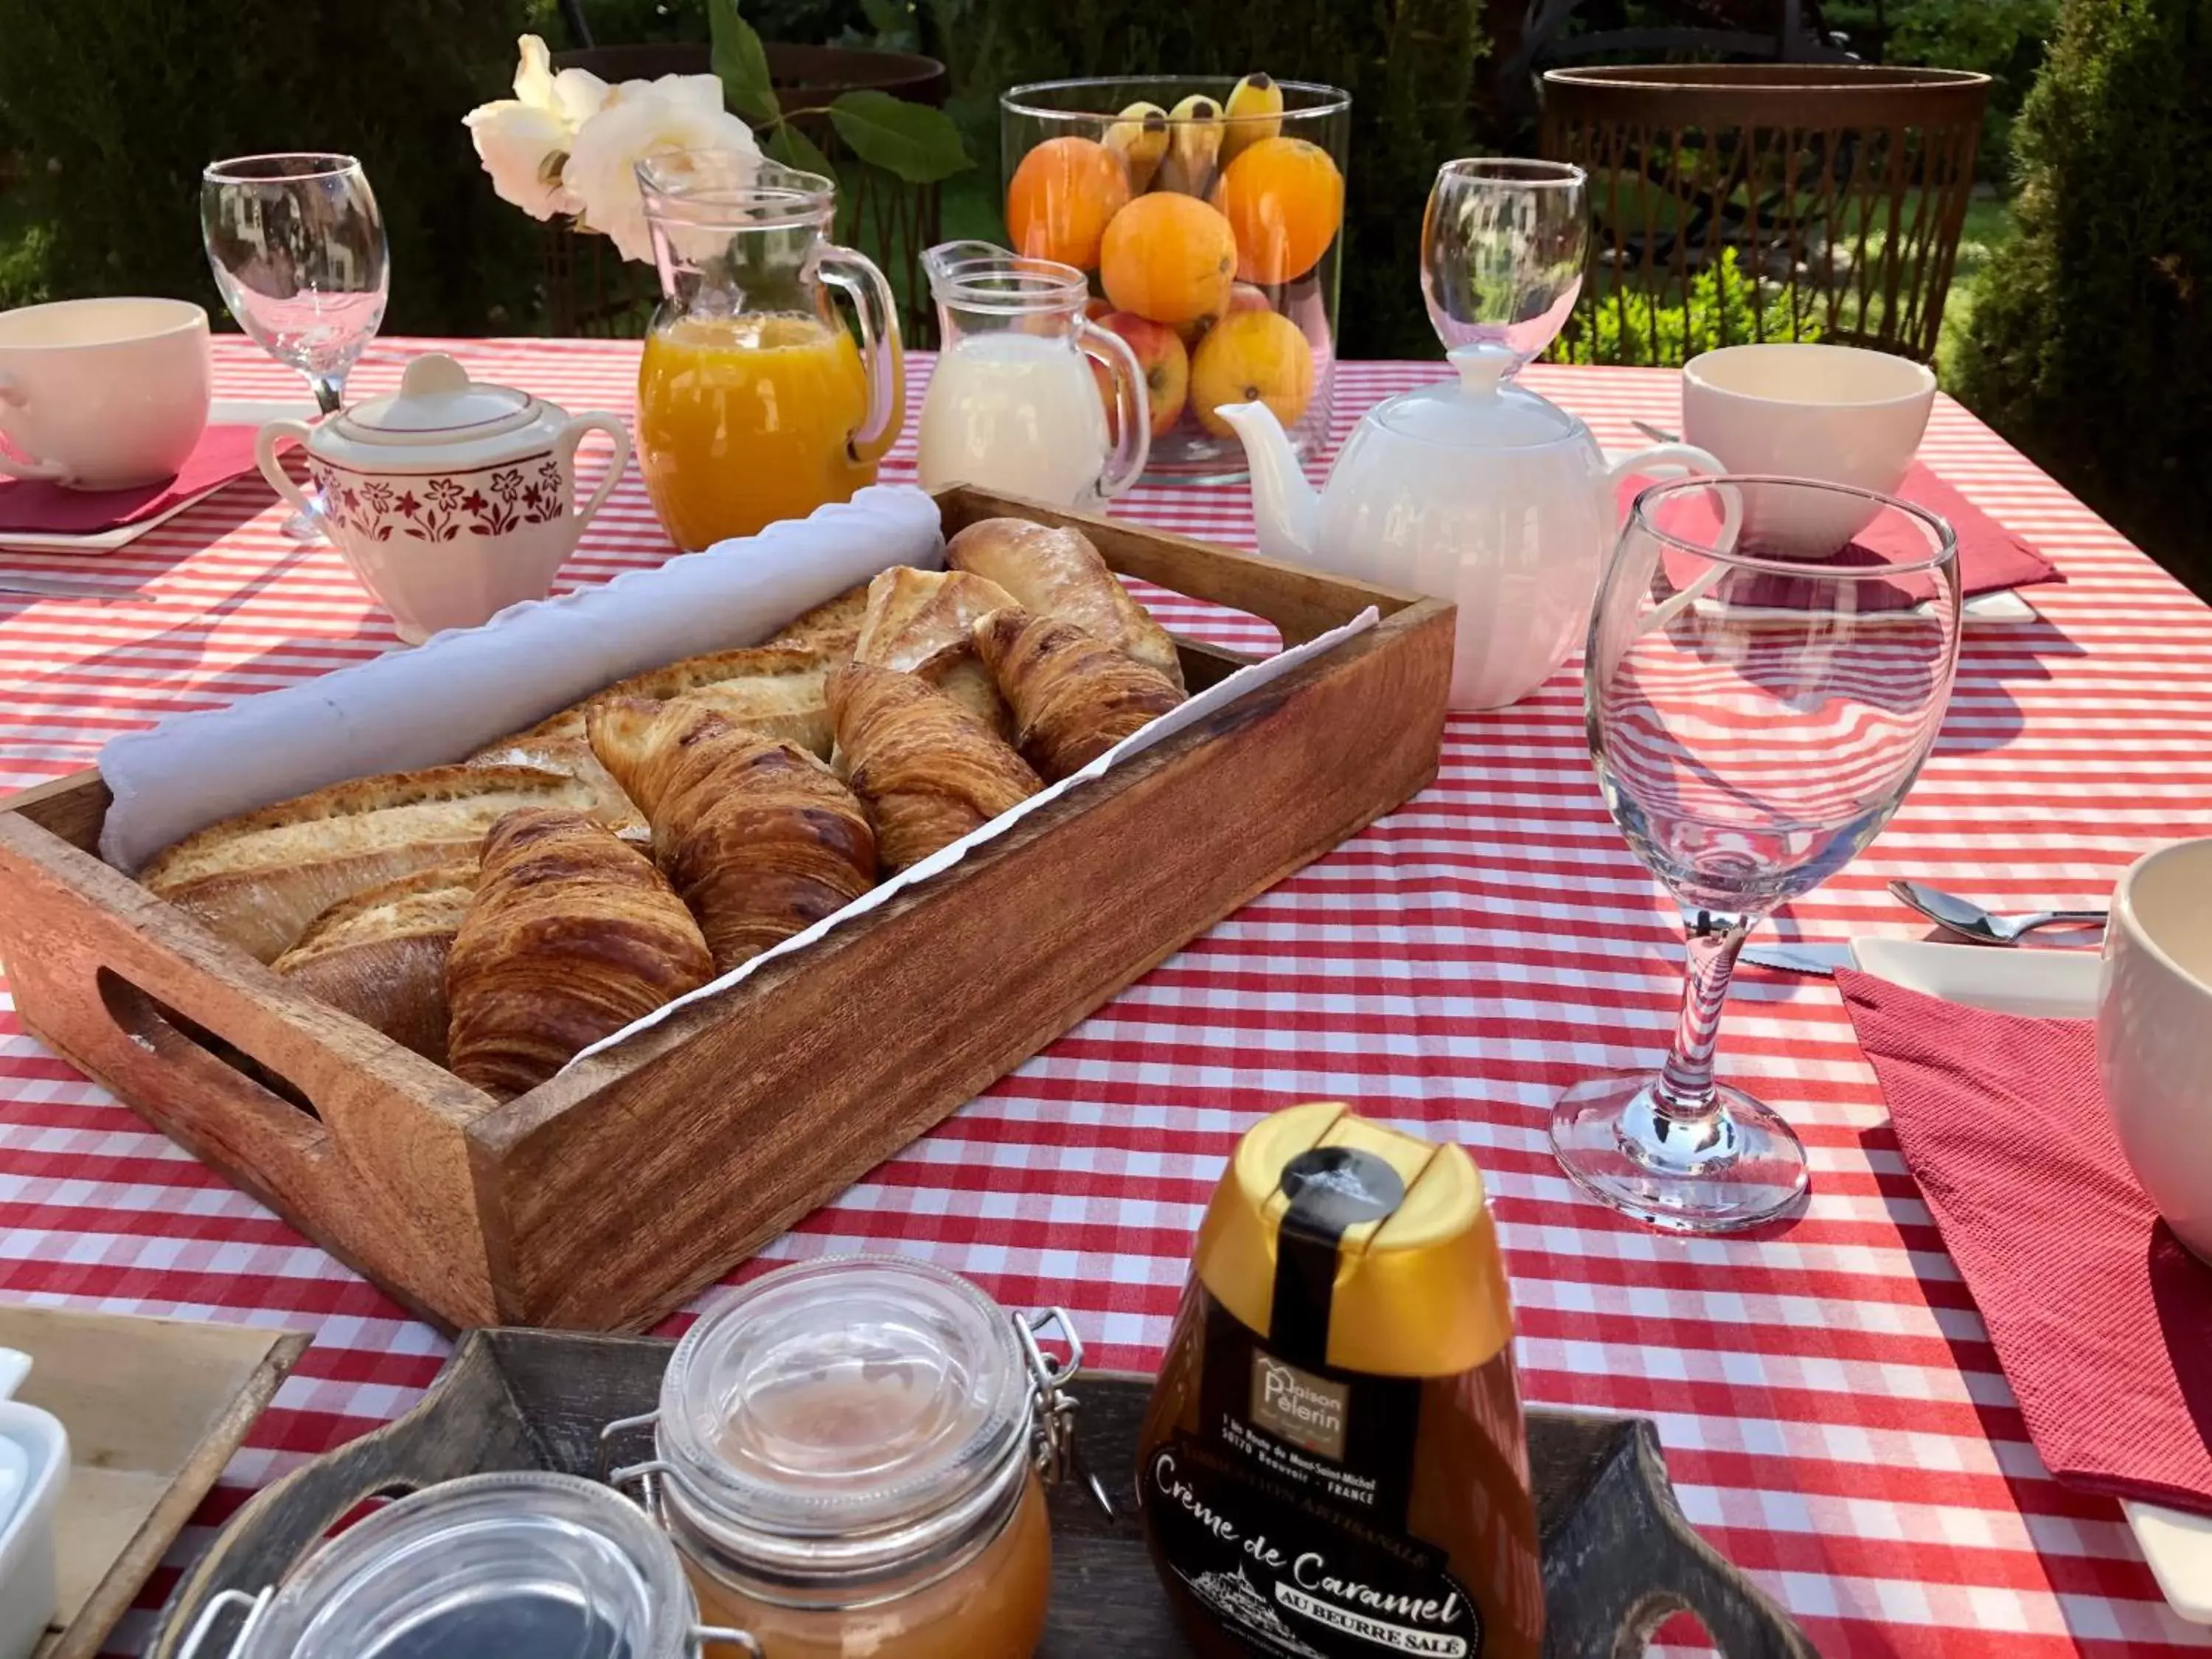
x=1098, y=307
x=1247, y=296
x=1165, y=364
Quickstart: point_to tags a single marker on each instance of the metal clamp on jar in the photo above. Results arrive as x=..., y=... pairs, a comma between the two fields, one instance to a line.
x=851, y=1457
x=524, y=1563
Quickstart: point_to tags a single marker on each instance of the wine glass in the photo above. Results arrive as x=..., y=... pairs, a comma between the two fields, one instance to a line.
x=297, y=247
x=1755, y=719
x=1503, y=247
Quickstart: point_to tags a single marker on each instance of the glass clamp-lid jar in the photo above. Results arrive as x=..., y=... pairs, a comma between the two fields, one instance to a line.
x=851, y=1455
x=527, y=1562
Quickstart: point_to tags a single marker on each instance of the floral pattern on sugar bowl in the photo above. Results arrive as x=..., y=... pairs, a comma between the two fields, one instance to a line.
x=451, y=499
x=489, y=501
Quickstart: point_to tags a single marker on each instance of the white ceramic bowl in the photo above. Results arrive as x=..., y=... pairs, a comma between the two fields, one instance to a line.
x=2155, y=1032
x=34, y=1463
x=1835, y=413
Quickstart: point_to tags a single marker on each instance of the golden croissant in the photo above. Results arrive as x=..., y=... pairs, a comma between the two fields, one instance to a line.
x=1073, y=695
x=758, y=836
x=928, y=770
x=570, y=935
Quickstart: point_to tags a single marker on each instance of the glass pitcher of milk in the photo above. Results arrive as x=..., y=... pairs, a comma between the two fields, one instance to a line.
x=1014, y=405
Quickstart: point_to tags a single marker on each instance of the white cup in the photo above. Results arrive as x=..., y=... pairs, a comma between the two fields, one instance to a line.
x=1837, y=414
x=2155, y=1032
x=102, y=394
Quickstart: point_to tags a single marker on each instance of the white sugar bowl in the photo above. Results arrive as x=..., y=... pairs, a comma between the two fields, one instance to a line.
x=452, y=499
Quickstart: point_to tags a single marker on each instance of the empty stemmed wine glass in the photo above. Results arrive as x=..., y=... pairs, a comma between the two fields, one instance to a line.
x=1503, y=247
x=1754, y=721
x=297, y=247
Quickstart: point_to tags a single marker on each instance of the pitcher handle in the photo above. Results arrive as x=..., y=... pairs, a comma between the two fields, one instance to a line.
x=1132, y=406
x=264, y=457
x=26, y=468
x=572, y=435
x=876, y=312
x=1675, y=459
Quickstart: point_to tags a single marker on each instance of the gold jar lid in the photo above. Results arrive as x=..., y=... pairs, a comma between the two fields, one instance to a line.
x=1377, y=1246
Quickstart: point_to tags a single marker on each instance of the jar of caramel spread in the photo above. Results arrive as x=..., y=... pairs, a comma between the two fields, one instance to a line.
x=848, y=1454
x=1334, y=1463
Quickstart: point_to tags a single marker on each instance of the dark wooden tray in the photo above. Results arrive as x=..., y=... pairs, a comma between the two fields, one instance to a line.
x=1618, y=1557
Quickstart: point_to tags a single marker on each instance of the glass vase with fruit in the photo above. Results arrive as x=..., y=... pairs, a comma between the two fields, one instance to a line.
x=1208, y=216
x=755, y=403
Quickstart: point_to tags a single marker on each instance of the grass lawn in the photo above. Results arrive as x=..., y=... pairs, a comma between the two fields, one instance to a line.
x=1989, y=226
x=21, y=278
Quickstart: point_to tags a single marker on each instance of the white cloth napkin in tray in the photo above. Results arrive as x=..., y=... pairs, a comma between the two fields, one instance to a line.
x=437, y=702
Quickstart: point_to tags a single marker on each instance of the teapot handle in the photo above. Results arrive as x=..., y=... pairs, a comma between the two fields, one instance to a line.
x=573, y=434
x=264, y=457
x=1674, y=460
x=1132, y=406
x=876, y=311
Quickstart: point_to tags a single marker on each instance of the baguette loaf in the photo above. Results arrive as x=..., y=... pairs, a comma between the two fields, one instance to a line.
x=381, y=956
x=775, y=690
x=260, y=878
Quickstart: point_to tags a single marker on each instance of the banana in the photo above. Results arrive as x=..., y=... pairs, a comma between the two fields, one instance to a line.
x=1140, y=137
x=1193, y=146
x=1254, y=111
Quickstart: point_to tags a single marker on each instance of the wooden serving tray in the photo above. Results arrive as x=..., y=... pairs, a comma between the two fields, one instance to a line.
x=605, y=1197
x=1619, y=1558
x=154, y=1409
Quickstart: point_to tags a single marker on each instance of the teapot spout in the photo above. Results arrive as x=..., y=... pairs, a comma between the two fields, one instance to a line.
x=1285, y=507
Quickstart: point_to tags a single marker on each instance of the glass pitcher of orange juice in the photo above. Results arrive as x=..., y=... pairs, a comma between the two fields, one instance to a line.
x=754, y=401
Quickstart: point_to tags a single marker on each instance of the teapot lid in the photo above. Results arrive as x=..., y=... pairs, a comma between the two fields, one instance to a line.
x=1481, y=409
x=437, y=405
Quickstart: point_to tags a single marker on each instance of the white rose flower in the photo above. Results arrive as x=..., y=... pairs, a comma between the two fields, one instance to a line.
x=523, y=141
x=641, y=118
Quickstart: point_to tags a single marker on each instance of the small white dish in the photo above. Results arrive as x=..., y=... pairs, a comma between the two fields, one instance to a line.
x=34, y=1462
x=224, y=411
x=2052, y=985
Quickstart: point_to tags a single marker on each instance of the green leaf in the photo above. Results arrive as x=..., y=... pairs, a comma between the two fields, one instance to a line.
x=888, y=16
x=789, y=145
x=742, y=62
x=918, y=143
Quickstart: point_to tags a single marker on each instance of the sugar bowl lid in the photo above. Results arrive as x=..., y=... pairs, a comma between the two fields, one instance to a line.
x=436, y=407
x=845, y=1409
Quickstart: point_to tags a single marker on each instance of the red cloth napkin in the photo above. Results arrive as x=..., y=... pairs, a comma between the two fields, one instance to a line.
x=2101, y=1320
x=33, y=506
x=1990, y=557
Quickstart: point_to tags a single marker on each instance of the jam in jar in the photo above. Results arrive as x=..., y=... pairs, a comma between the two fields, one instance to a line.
x=848, y=1463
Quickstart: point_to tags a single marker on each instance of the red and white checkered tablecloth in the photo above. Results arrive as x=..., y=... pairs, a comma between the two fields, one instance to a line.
x=1835, y=1418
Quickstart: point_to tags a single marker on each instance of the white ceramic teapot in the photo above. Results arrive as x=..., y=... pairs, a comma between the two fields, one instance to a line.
x=450, y=498
x=1472, y=490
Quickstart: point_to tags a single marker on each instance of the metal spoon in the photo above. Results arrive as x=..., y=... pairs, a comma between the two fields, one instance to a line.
x=1969, y=920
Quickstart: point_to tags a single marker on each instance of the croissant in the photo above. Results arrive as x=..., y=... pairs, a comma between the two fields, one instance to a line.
x=1057, y=572
x=759, y=836
x=1073, y=696
x=928, y=770
x=923, y=622
x=571, y=935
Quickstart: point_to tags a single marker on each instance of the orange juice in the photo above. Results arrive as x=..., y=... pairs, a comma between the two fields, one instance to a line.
x=744, y=420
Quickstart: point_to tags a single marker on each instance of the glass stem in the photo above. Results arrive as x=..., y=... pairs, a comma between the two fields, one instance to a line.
x=330, y=392
x=1685, y=1081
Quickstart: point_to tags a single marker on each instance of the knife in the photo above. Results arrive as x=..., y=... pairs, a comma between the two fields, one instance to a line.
x=1797, y=957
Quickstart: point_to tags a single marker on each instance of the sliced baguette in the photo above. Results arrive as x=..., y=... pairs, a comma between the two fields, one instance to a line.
x=260, y=878
x=381, y=956
x=774, y=690
x=831, y=626
x=574, y=757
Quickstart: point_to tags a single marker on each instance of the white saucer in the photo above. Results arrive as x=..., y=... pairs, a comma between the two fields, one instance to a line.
x=224, y=411
x=2055, y=985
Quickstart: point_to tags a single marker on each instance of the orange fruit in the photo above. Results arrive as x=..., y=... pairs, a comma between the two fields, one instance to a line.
x=1061, y=198
x=1251, y=357
x=1284, y=199
x=1168, y=257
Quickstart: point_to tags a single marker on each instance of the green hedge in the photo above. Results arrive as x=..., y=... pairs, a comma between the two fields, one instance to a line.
x=2091, y=342
x=117, y=104
x=1409, y=65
